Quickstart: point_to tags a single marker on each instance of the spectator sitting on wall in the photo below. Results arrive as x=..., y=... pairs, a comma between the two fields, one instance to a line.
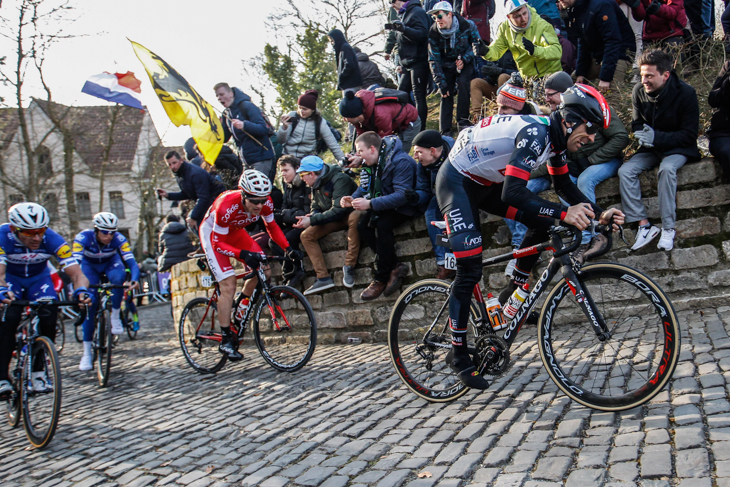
x=173, y=243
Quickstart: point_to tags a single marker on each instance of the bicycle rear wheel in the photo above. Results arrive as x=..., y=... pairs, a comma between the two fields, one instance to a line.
x=79, y=332
x=41, y=409
x=419, y=359
x=60, y=339
x=126, y=316
x=285, y=331
x=104, y=348
x=631, y=366
x=13, y=403
x=200, y=335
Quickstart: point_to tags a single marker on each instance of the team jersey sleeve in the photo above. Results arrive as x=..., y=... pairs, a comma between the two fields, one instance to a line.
x=78, y=246
x=126, y=252
x=61, y=249
x=529, y=145
x=267, y=213
x=565, y=187
x=3, y=256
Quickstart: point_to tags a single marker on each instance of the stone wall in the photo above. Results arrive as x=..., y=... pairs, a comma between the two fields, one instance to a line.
x=696, y=271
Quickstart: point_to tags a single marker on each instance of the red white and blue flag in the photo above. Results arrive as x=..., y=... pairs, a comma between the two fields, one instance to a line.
x=122, y=88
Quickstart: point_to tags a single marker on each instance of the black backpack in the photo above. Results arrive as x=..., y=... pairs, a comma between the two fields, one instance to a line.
x=321, y=143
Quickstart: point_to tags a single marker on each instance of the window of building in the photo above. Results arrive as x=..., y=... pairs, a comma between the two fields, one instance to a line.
x=50, y=202
x=45, y=168
x=83, y=206
x=15, y=198
x=116, y=204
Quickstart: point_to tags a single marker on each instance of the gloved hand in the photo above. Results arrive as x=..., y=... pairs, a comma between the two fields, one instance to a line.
x=411, y=197
x=81, y=293
x=653, y=7
x=398, y=25
x=645, y=136
x=293, y=255
x=444, y=90
x=4, y=290
x=491, y=69
x=529, y=46
x=252, y=259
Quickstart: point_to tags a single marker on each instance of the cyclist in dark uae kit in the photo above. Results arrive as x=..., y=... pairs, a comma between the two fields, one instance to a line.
x=488, y=169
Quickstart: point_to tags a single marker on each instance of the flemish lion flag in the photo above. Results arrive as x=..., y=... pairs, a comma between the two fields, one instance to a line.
x=182, y=103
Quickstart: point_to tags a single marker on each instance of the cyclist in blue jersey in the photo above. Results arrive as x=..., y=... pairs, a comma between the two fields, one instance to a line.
x=26, y=244
x=104, y=251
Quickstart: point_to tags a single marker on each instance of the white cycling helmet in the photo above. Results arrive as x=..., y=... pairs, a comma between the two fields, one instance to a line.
x=254, y=183
x=106, y=221
x=28, y=216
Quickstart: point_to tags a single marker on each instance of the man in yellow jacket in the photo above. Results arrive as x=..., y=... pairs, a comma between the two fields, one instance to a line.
x=532, y=40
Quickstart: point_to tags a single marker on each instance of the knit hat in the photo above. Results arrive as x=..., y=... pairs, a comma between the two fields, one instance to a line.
x=308, y=99
x=512, y=96
x=559, y=82
x=428, y=139
x=350, y=105
x=512, y=5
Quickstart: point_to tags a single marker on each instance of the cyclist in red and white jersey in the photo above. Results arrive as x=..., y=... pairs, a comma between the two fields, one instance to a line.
x=223, y=235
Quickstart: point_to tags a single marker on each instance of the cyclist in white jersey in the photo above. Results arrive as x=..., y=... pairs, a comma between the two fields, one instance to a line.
x=488, y=169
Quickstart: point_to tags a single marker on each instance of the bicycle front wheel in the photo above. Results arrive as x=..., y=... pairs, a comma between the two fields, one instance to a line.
x=128, y=322
x=285, y=329
x=13, y=404
x=60, y=339
x=200, y=335
x=104, y=348
x=419, y=338
x=634, y=363
x=79, y=332
x=41, y=408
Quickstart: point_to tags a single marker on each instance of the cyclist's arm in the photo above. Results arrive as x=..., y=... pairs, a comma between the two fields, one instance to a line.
x=3, y=284
x=128, y=257
x=77, y=277
x=275, y=233
x=529, y=145
x=565, y=187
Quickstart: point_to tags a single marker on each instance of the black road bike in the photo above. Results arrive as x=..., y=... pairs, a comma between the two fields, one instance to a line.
x=103, y=338
x=608, y=335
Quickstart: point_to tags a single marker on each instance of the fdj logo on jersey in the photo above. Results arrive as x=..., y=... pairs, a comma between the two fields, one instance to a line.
x=473, y=155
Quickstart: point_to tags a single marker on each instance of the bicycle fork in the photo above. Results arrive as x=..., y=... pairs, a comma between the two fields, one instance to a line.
x=585, y=301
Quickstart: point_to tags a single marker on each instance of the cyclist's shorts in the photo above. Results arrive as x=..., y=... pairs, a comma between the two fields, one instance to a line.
x=32, y=288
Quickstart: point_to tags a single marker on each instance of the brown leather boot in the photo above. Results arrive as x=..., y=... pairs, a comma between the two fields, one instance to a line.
x=396, y=278
x=443, y=273
x=374, y=290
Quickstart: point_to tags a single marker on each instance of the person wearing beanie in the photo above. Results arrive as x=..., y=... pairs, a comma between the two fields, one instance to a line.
x=430, y=150
x=592, y=164
x=385, y=118
x=452, y=42
x=531, y=39
x=300, y=131
x=512, y=98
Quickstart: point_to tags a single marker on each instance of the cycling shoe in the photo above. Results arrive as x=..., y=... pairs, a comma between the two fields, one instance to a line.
x=467, y=373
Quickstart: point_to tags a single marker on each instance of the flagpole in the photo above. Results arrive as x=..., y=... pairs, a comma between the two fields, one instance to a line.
x=244, y=131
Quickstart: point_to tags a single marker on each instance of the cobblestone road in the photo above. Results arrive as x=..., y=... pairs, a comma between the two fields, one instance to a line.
x=345, y=419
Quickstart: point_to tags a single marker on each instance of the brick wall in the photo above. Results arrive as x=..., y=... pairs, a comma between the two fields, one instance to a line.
x=697, y=270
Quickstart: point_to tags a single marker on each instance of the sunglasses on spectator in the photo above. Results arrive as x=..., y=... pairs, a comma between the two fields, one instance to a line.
x=438, y=16
x=105, y=232
x=257, y=201
x=32, y=233
x=305, y=173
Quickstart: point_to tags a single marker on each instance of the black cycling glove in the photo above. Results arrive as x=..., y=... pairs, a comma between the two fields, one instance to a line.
x=252, y=259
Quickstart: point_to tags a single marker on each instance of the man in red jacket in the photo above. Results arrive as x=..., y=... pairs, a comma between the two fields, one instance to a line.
x=664, y=21
x=386, y=118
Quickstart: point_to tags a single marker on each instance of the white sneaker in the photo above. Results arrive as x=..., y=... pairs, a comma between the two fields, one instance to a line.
x=86, y=363
x=666, y=242
x=644, y=236
x=117, y=327
x=40, y=383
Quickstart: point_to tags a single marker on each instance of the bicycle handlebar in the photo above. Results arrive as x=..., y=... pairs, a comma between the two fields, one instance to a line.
x=41, y=303
x=107, y=286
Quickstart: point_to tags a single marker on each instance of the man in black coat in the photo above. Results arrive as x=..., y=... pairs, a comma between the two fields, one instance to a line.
x=719, y=132
x=412, y=39
x=173, y=243
x=349, y=77
x=195, y=184
x=297, y=202
x=665, y=121
x=604, y=38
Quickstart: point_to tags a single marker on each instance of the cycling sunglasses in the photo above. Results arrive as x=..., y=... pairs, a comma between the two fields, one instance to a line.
x=105, y=232
x=32, y=233
x=257, y=201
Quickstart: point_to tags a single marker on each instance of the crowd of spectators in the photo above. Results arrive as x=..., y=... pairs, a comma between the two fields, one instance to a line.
x=539, y=50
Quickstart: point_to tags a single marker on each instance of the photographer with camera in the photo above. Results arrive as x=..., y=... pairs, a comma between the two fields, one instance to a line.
x=388, y=173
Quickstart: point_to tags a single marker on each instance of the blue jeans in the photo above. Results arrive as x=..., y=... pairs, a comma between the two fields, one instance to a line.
x=433, y=214
x=518, y=229
x=115, y=273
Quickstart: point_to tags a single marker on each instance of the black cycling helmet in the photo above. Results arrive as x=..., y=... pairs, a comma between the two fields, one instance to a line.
x=584, y=104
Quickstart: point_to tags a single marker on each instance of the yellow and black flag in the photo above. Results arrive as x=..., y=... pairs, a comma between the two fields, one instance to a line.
x=182, y=103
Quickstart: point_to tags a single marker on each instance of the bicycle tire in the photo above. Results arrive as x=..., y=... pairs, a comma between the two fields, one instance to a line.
x=202, y=354
x=125, y=315
x=38, y=429
x=289, y=347
x=60, y=339
x=14, y=401
x=104, y=348
x=79, y=332
x=428, y=377
x=630, y=367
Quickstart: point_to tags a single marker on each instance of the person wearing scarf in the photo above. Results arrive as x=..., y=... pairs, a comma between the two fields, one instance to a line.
x=452, y=42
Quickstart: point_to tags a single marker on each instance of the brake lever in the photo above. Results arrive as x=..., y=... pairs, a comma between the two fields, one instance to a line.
x=621, y=234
